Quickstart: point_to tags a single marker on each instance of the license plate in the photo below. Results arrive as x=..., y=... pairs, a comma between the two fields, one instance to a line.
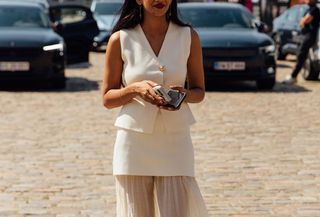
x=14, y=66
x=229, y=66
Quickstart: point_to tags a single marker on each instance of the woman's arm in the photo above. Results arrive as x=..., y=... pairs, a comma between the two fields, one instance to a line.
x=196, y=89
x=112, y=94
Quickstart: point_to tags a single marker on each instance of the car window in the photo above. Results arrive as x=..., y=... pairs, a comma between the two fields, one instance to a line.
x=216, y=17
x=302, y=12
x=104, y=8
x=68, y=15
x=283, y=16
x=293, y=15
x=23, y=17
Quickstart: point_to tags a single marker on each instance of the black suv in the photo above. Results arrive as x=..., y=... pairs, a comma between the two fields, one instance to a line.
x=33, y=47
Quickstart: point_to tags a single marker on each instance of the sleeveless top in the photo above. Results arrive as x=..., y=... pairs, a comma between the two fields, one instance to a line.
x=141, y=63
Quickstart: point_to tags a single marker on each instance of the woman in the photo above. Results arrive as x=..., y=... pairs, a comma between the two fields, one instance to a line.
x=153, y=159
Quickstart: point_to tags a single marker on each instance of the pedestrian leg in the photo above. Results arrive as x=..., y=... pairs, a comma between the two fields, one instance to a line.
x=302, y=56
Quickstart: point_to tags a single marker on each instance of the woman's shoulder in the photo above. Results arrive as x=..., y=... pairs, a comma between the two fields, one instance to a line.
x=194, y=34
x=188, y=30
x=185, y=29
x=114, y=38
x=126, y=33
x=129, y=30
x=177, y=26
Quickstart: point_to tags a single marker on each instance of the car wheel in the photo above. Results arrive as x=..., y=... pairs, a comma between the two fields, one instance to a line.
x=266, y=84
x=309, y=72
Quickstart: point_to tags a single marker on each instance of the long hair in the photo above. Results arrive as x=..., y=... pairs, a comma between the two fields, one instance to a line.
x=130, y=15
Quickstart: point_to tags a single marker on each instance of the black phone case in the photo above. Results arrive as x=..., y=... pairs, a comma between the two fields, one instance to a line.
x=176, y=96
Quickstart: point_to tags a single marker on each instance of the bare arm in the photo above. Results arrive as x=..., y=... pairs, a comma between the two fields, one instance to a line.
x=306, y=20
x=196, y=90
x=112, y=94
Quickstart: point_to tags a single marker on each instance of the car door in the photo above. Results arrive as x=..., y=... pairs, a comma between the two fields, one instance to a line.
x=77, y=26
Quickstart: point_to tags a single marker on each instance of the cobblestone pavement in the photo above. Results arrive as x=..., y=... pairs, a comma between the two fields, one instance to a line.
x=257, y=153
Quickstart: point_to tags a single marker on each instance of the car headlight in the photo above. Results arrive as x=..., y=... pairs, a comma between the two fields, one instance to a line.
x=52, y=47
x=270, y=49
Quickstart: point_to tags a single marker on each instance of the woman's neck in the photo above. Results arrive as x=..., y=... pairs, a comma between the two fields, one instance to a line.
x=155, y=24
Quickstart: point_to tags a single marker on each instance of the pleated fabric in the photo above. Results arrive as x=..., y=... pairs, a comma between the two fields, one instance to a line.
x=159, y=196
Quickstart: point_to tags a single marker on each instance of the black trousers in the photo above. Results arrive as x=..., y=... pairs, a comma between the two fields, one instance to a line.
x=307, y=43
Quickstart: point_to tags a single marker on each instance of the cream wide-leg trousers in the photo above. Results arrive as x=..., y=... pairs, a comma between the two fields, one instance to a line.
x=159, y=196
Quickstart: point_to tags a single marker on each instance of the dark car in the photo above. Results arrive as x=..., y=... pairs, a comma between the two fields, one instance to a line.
x=288, y=36
x=232, y=47
x=106, y=15
x=29, y=48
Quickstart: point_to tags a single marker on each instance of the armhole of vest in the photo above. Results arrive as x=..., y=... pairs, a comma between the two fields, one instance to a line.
x=121, y=32
x=189, y=41
x=122, y=35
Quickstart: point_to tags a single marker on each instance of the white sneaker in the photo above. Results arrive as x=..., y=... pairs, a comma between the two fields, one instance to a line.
x=289, y=80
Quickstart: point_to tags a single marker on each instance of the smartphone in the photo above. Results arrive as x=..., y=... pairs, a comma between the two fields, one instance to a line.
x=161, y=91
x=177, y=98
x=174, y=98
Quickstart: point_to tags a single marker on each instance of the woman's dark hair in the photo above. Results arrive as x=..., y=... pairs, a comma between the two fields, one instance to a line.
x=130, y=15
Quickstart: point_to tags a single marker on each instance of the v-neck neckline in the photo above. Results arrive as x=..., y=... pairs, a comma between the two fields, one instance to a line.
x=149, y=45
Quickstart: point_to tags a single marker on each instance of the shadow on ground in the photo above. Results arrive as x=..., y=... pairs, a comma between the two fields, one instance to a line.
x=84, y=65
x=284, y=66
x=250, y=86
x=73, y=84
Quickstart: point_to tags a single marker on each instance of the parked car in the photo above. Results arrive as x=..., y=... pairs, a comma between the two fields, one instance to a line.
x=29, y=48
x=106, y=15
x=288, y=36
x=232, y=47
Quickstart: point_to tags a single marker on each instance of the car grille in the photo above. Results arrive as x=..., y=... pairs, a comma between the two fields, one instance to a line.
x=226, y=52
x=20, y=52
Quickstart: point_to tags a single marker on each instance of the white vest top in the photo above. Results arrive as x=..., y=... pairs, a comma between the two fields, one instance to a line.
x=141, y=63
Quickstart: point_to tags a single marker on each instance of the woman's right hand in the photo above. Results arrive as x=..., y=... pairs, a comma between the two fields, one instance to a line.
x=145, y=90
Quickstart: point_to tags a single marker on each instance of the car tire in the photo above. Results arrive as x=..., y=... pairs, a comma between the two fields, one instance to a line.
x=309, y=72
x=266, y=84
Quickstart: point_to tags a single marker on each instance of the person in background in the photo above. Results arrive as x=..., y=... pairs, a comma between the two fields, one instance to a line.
x=249, y=5
x=310, y=25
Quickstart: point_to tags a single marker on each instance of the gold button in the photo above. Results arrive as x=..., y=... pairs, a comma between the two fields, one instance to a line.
x=162, y=68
